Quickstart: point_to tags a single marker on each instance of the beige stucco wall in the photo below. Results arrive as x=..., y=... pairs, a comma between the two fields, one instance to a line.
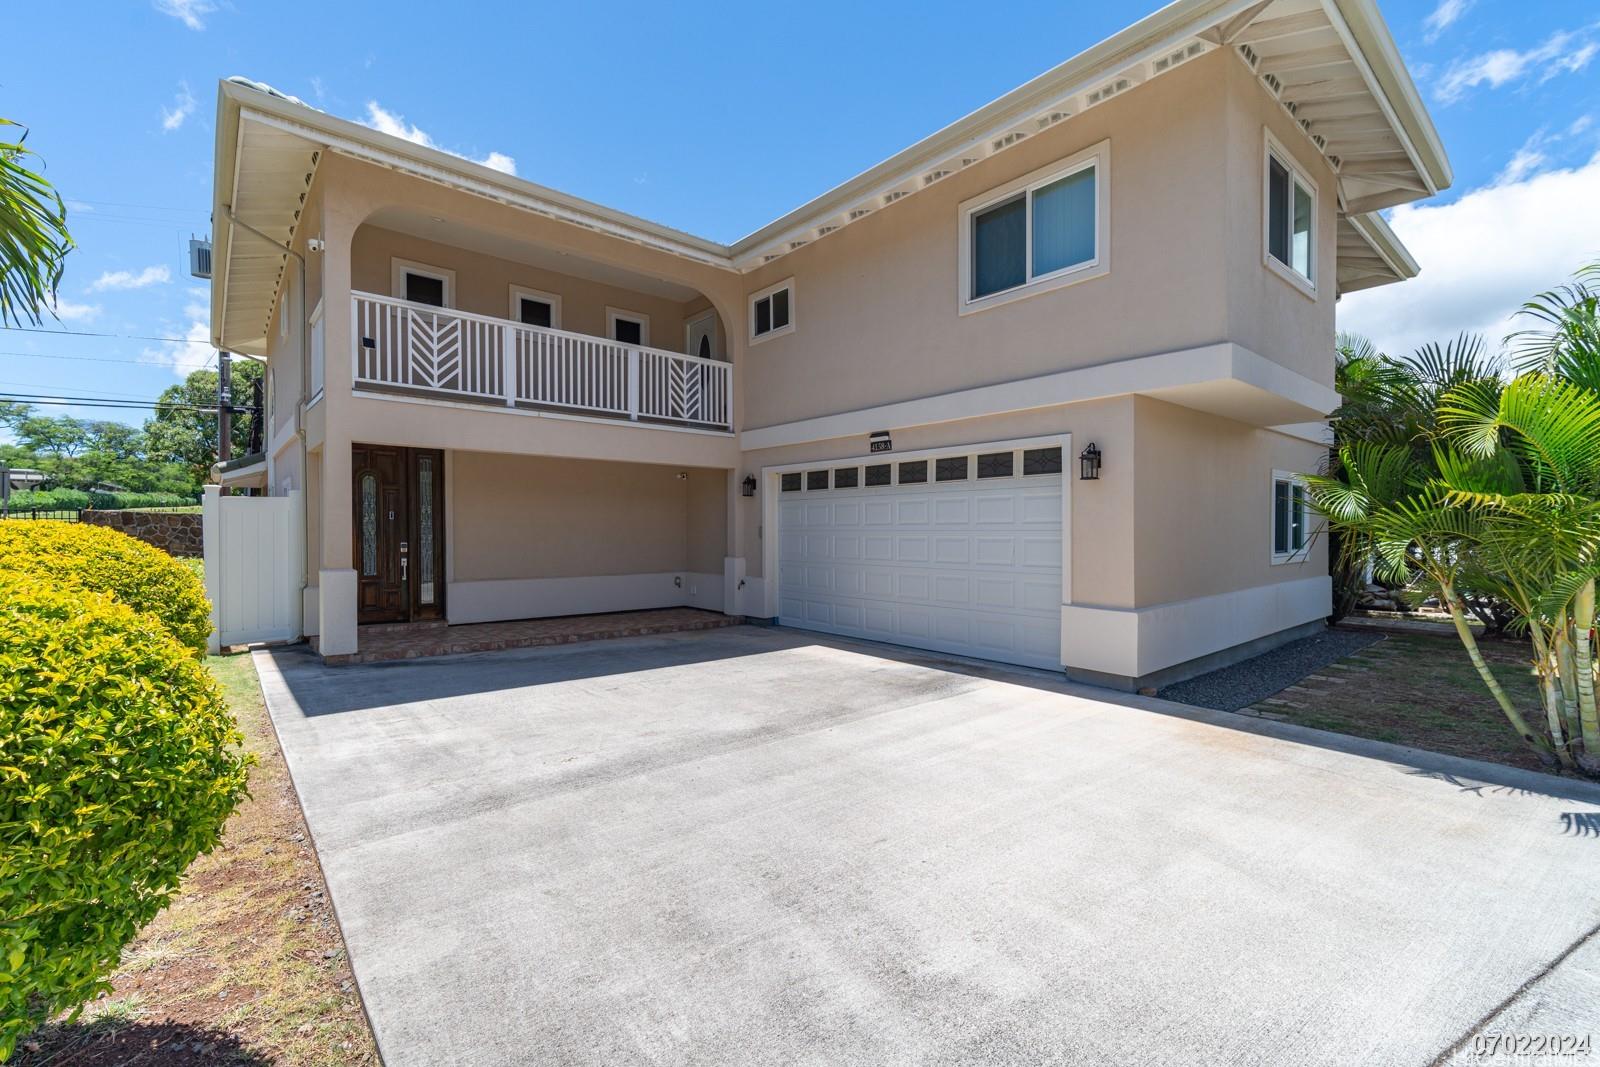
x=1267, y=313
x=1203, y=503
x=529, y=517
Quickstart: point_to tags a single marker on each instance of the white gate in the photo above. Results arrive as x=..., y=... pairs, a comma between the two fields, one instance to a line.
x=254, y=566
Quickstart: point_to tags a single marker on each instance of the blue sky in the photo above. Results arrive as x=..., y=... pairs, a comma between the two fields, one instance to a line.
x=715, y=118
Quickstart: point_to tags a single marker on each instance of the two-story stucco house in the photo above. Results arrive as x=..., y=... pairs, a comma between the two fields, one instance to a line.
x=1033, y=390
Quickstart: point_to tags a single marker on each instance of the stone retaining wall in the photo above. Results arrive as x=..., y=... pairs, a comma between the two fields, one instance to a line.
x=176, y=532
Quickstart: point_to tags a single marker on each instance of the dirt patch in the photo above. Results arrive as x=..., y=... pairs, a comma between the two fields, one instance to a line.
x=1418, y=690
x=247, y=966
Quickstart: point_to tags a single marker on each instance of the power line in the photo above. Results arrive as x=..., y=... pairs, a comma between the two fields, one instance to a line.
x=140, y=207
x=103, y=359
x=107, y=394
x=104, y=402
x=91, y=333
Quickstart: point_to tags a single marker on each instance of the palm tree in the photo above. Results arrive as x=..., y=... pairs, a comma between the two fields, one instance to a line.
x=33, y=236
x=1567, y=344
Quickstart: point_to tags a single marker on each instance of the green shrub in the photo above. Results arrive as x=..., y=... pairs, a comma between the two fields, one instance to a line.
x=103, y=560
x=100, y=499
x=119, y=764
x=104, y=501
x=49, y=500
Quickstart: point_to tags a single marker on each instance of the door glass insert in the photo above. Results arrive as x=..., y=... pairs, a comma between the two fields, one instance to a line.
x=369, y=525
x=425, y=528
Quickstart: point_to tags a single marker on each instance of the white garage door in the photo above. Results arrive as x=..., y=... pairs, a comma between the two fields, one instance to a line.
x=959, y=553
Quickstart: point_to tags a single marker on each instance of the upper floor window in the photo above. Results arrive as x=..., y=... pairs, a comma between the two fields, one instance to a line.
x=628, y=327
x=420, y=283
x=533, y=307
x=1291, y=213
x=772, y=310
x=1044, y=230
x=1290, y=529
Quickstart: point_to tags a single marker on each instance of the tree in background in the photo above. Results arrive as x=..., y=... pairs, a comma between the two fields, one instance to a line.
x=33, y=235
x=172, y=453
x=187, y=436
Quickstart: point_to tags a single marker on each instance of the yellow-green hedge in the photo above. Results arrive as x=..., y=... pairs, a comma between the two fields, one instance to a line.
x=103, y=560
x=119, y=764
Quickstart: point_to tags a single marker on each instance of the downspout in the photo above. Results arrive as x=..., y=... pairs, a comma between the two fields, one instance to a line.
x=300, y=406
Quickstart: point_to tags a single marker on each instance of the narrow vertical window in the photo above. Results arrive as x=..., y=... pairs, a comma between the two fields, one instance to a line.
x=425, y=521
x=1290, y=525
x=369, y=525
x=1291, y=217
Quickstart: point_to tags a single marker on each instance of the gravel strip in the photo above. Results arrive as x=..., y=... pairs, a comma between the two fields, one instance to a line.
x=1253, y=680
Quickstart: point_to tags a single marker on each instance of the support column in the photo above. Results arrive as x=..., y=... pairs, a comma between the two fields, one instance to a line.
x=336, y=599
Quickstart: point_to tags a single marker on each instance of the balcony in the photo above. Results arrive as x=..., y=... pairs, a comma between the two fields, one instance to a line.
x=421, y=350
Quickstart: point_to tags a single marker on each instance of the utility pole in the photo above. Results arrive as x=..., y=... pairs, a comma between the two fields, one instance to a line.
x=224, y=409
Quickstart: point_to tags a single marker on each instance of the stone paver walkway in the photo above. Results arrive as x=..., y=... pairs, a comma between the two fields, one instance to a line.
x=416, y=640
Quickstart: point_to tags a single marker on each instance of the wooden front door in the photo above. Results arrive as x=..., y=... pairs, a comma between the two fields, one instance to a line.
x=399, y=533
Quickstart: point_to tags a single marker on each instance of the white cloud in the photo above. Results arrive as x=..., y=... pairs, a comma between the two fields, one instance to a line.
x=189, y=12
x=501, y=162
x=1481, y=257
x=182, y=107
x=127, y=279
x=385, y=121
x=67, y=311
x=1443, y=17
x=191, y=354
x=1565, y=52
x=1527, y=160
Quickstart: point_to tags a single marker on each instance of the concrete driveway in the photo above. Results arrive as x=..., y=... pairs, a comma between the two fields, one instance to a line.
x=759, y=846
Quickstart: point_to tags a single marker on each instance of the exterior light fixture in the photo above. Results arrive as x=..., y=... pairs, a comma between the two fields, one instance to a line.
x=749, y=485
x=1089, y=464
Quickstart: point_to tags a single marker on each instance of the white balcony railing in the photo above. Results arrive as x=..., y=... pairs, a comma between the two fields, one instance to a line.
x=448, y=353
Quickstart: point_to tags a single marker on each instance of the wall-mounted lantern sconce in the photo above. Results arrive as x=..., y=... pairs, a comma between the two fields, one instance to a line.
x=749, y=485
x=1089, y=463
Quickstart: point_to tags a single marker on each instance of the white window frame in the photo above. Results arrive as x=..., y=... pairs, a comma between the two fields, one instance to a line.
x=1272, y=149
x=399, y=268
x=1097, y=156
x=762, y=294
x=613, y=314
x=521, y=292
x=1300, y=554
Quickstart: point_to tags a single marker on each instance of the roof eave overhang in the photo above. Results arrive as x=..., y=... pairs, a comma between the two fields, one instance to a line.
x=1387, y=247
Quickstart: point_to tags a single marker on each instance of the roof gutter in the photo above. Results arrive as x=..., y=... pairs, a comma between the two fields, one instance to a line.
x=1384, y=242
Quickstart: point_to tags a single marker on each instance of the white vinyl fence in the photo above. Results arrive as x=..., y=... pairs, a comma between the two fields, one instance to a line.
x=254, y=566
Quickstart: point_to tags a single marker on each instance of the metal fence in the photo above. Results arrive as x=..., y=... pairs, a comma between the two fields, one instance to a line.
x=76, y=514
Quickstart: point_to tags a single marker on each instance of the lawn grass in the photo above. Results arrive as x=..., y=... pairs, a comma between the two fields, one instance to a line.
x=247, y=965
x=1421, y=690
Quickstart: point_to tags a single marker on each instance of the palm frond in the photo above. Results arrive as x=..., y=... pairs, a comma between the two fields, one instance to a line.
x=33, y=236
